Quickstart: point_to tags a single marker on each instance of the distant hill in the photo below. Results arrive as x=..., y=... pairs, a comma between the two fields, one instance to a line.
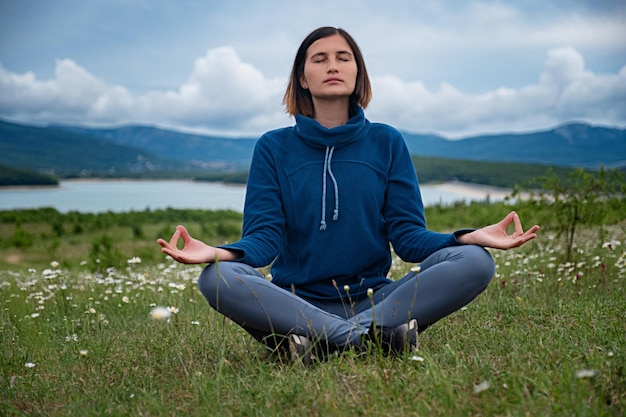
x=15, y=176
x=433, y=169
x=207, y=151
x=64, y=153
x=573, y=145
x=140, y=150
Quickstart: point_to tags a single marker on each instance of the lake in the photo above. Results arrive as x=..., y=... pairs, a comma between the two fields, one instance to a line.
x=95, y=196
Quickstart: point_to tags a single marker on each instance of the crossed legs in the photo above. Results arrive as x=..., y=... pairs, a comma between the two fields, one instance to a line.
x=448, y=280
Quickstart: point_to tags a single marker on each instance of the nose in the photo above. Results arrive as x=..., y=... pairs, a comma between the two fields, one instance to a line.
x=332, y=66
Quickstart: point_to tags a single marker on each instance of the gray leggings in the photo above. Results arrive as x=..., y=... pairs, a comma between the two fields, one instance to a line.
x=448, y=280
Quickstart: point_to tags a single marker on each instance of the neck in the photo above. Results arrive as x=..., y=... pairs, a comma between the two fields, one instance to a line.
x=331, y=113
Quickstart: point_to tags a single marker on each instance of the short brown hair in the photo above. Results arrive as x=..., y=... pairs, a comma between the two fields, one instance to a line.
x=297, y=100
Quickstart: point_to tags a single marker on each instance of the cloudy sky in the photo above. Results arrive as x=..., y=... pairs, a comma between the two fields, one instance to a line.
x=456, y=68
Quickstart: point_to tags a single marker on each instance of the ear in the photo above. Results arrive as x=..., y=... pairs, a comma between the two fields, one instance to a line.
x=303, y=82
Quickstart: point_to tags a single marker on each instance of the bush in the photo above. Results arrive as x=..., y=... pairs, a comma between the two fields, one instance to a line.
x=582, y=198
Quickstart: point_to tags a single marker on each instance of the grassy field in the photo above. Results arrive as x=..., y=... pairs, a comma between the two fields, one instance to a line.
x=546, y=338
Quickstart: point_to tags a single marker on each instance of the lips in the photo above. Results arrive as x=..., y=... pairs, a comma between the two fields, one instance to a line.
x=333, y=80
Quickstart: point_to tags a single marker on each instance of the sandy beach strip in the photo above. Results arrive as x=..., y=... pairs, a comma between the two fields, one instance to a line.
x=474, y=190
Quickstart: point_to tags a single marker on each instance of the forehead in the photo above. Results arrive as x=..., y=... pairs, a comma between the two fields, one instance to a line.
x=329, y=45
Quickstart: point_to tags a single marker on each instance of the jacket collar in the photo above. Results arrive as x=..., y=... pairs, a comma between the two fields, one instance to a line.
x=315, y=134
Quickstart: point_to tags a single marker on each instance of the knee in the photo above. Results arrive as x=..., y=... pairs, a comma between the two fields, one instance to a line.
x=221, y=281
x=207, y=282
x=214, y=279
x=481, y=263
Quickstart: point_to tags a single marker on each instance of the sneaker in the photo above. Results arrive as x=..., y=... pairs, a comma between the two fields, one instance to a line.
x=300, y=350
x=397, y=340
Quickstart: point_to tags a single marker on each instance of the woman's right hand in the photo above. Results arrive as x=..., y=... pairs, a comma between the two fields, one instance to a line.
x=193, y=251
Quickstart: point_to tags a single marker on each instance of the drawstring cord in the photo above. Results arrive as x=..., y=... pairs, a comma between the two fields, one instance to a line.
x=335, y=186
x=327, y=170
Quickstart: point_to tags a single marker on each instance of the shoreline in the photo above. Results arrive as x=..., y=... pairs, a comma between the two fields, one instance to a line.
x=98, y=195
x=473, y=190
x=29, y=187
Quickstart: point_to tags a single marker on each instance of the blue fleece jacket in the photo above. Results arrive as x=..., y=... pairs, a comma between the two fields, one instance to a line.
x=324, y=204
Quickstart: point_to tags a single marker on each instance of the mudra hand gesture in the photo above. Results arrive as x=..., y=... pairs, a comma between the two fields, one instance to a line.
x=496, y=236
x=194, y=251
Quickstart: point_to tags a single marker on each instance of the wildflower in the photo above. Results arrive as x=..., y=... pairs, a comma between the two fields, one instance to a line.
x=417, y=358
x=586, y=373
x=49, y=273
x=134, y=260
x=180, y=287
x=83, y=352
x=29, y=365
x=126, y=299
x=611, y=245
x=174, y=310
x=195, y=322
x=483, y=386
x=370, y=292
x=34, y=315
x=161, y=313
x=346, y=288
x=54, y=264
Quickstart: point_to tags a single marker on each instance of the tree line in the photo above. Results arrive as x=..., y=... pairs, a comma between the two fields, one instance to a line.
x=428, y=169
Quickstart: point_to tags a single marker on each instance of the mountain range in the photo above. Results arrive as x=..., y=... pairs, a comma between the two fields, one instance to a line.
x=72, y=150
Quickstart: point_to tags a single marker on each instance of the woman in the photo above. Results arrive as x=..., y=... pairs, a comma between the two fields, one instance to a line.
x=324, y=200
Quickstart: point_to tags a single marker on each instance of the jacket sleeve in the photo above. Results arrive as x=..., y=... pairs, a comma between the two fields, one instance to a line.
x=263, y=219
x=404, y=210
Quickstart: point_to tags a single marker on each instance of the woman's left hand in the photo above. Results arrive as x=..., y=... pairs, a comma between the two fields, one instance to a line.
x=495, y=236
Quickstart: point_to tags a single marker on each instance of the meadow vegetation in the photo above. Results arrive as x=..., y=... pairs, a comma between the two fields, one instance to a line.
x=77, y=338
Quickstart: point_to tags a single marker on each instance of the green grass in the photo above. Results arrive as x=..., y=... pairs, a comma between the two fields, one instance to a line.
x=516, y=351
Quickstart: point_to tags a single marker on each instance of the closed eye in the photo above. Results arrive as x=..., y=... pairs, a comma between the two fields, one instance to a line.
x=344, y=56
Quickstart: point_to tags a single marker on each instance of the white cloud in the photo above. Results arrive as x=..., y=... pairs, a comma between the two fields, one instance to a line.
x=565, y=91
x=72, y=95
x=225, y=94
x=222, y=91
